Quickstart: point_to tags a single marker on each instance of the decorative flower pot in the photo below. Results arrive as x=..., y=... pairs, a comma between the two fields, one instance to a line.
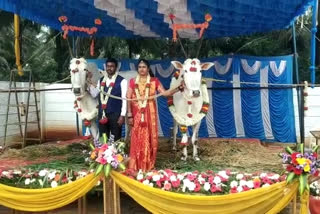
x=314, y=204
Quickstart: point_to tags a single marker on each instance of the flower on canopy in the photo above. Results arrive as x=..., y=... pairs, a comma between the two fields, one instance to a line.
x=97, y=21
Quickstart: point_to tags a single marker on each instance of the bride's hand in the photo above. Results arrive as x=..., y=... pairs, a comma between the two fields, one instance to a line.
x=130, y=121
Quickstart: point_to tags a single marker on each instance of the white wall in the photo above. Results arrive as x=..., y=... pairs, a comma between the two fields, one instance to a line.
x=312, y=115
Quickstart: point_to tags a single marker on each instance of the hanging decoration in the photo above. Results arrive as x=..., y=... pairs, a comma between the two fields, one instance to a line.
x=90, y=31
x=202, y=26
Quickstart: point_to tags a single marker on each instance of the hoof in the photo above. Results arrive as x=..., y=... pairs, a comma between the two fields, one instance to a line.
x=183, y=158
x=196, y=158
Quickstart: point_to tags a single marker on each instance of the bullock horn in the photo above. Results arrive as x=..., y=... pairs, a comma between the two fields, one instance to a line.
x=198, y=51
x=69, y=48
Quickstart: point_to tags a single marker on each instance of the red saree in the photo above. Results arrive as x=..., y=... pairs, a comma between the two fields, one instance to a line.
x=144, y=136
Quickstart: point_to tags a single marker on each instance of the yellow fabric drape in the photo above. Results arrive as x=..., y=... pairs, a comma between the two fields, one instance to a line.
x=17, y=43
x=47, y=198
x=262, y=200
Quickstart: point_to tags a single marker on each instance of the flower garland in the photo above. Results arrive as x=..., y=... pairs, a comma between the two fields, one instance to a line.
x=104, y=97
x=142, y=103
x=78, y=109
x=192, y=119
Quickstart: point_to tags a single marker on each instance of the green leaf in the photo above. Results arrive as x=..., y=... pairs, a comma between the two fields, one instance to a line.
x=290, y=177
x=92, y=165
x=91, y=146
x=302, y=183
x=105, y=138
x=301, y=147
x=107, y=169
x=98, y=169
x=289, y=150
x=122, y=166
x=315, y=148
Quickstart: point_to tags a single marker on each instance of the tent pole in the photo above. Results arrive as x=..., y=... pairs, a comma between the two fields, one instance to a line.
x=296, y=68
x=313, y=41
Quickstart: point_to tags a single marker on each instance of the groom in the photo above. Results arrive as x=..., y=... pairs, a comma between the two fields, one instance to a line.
x=111, y=111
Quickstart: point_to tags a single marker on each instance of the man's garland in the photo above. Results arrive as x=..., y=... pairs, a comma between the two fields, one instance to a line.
x=104, y=97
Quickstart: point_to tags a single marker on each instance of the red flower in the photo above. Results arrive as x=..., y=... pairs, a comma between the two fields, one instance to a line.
x=159, y=184
x=111, y=84
x=148, y=85
x=316, y=173
x=191, y=177
x=79, y=110
x=167, y=186
x=315, y=155
x=256, y=184
x=103, y=121
x=87, y=122
x=142, y=110
x=136, y=85
x=78, y=98
x=294, y=157
x=290, y=168
x=171, y=16
x=176, y=183
x=189, y=115
x=233, y=190
x=97, y=21
x=197, y=188
x=103, y=84
x=214, y=188
x=189, y=102
x=297, y=171
x=104, y=106
x=77, y=62
x=245, y=188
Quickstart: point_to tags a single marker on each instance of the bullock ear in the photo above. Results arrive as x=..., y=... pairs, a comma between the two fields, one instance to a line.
x=205, y=66
x=177, y=64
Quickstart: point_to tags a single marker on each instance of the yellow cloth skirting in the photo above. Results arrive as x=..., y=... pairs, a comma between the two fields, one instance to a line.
x=270, y=199
x=47, y=198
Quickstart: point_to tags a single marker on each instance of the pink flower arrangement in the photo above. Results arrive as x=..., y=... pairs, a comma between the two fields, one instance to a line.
x=209, y=182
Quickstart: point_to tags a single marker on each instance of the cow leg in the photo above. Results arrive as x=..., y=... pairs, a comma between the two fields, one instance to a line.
x=175, y=131
x=184, y=142
x=194, y=141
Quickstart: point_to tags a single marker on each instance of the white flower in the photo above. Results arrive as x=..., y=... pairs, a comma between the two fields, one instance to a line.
x=180, y=177
x=191, y=186
x=262, y=175
x=98, y=183
x=242, y=183
x=217, y=180
x=173, y=178
x=201, y=179
x=82, y=174
x=139, y=176
x=43, y=172
x=223, y=174
x=70, y=181
x=234, y=184
x=250, y=184
x=265, y=185
x=239, y=176
x=239, y=189
x=51, y=175
x=186, y=182
x=5, y=173
x=54, y=184
x=109, y=159
x=151, y=184
x=17, y=172
x=146, y=182
x=317, y=191
x=108, y=153
x=27, y=181
x=207, y=186
x=86, y=159
x=275, y=177
x=156, y=177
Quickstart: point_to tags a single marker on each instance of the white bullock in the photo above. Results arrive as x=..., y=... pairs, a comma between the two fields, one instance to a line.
x=189, y=106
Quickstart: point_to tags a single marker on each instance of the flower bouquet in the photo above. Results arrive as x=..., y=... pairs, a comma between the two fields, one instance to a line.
x=108, y=156
x=300, y=165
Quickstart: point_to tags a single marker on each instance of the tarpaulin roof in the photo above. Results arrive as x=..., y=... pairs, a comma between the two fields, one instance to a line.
x=149, y=18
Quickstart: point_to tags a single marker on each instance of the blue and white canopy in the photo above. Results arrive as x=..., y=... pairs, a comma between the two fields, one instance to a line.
x=149, y=18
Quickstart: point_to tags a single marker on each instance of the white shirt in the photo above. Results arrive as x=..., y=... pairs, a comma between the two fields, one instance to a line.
x=95, y=91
